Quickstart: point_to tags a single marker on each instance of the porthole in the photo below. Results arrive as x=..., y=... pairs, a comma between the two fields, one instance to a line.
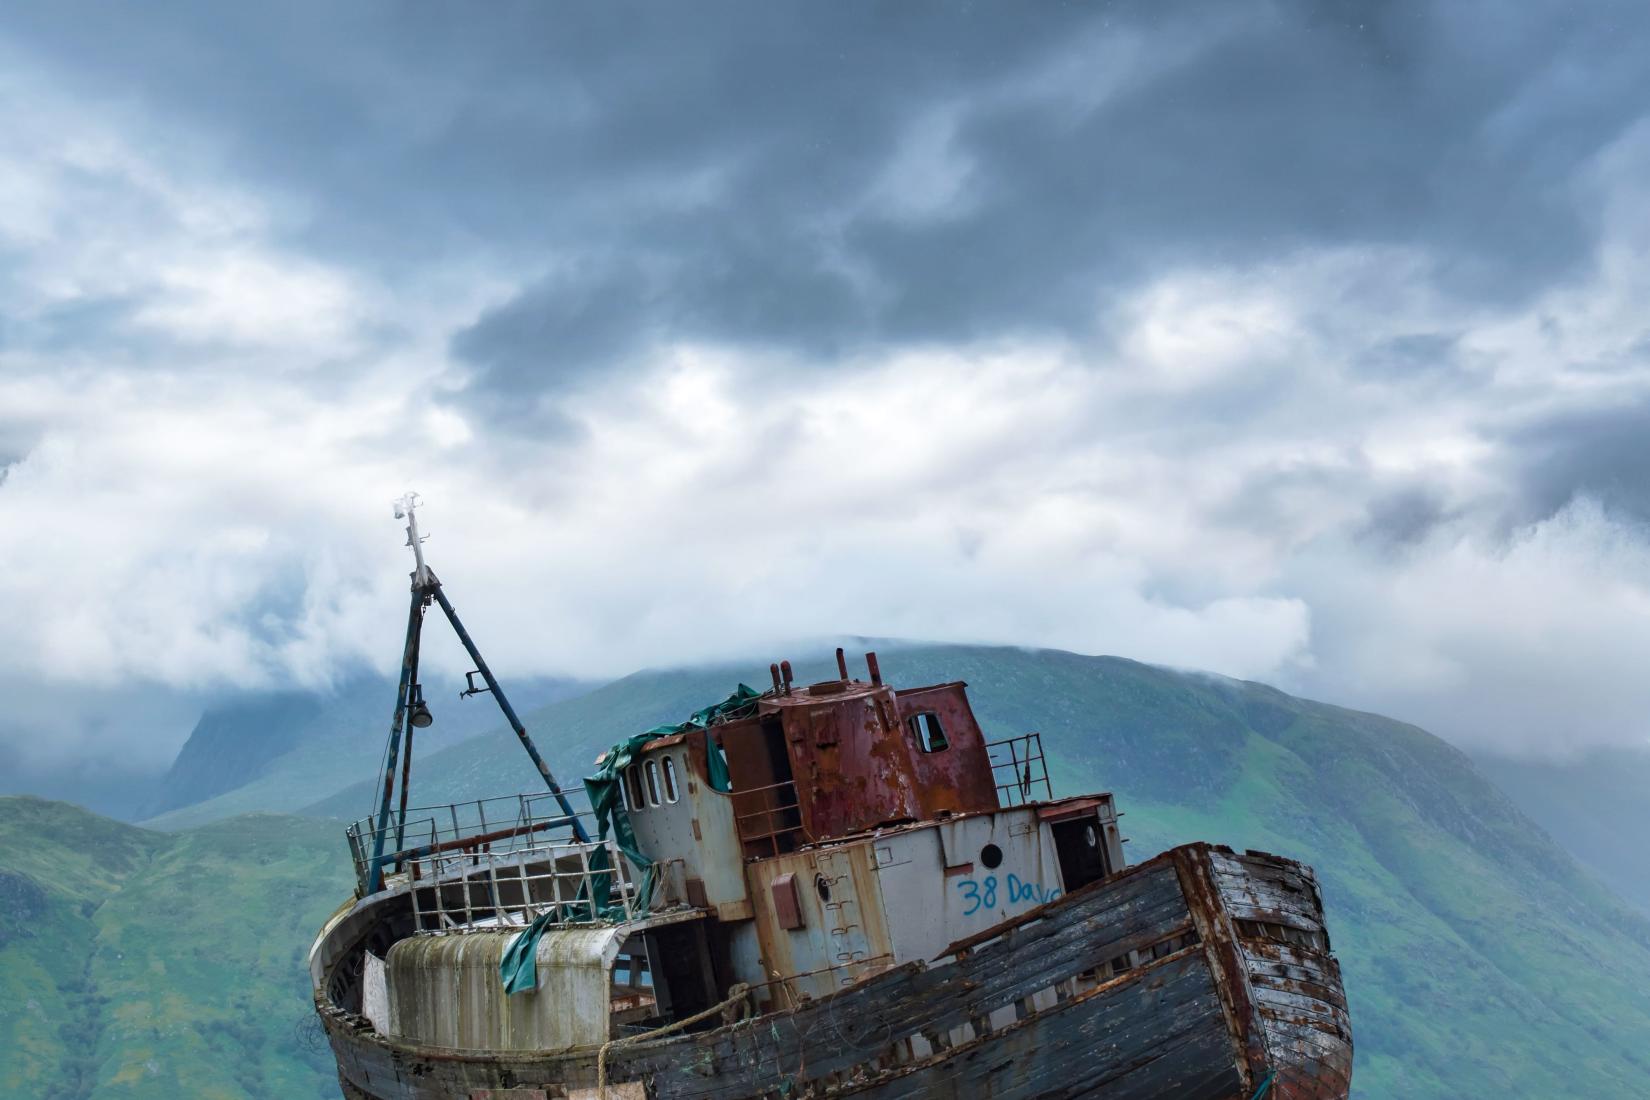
x=991, y=856
x=1091, y=837
x=822, y=886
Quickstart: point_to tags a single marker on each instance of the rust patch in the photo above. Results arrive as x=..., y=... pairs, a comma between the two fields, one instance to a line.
x=695, y=888
x=1068, y=808
x=787, y=907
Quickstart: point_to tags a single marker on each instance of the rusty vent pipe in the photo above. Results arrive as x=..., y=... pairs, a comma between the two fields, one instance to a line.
x=785, y=675
x=876, y=670
x=841, y=664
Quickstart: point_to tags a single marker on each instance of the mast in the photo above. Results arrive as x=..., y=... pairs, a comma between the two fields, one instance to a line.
x=409, y=702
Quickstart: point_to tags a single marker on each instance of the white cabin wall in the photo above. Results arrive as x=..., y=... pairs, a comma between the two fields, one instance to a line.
x=944, y=890
x=696, y=834
x=904, y=895
x=841, y=937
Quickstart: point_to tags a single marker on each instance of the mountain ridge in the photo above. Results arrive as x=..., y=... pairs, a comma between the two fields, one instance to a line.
x=271, y=751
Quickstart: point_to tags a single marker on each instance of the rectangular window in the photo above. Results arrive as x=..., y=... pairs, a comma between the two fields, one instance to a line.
x=652, y=782
x=926, y=728
x=633, y=787
x=670, y=780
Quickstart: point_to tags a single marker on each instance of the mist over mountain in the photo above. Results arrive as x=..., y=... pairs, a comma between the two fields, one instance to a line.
x=277, y=750
x=1596, y=805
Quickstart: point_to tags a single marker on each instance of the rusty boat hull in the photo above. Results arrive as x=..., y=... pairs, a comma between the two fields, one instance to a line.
x=1201, y=974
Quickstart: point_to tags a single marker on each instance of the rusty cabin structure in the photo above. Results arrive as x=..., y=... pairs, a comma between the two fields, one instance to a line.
x=843, y=889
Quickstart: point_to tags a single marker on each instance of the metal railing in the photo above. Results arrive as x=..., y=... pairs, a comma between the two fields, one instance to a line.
x=458, y=890
x=777, y=825
x=504, y=824
x=1019, y=770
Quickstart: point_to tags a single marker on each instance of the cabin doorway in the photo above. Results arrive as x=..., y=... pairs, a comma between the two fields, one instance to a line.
x=1081, y=848
x=662, y=975
x=765, y=796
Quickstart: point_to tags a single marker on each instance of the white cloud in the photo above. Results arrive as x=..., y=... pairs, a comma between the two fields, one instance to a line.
x=1534, y=645
x=204, y=502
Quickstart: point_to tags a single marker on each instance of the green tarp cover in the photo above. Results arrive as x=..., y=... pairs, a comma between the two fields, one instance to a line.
x=740, y=704
x=518, y=968
x=607, y=802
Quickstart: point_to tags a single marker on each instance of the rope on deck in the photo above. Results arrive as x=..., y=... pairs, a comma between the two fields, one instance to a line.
x=735, y=994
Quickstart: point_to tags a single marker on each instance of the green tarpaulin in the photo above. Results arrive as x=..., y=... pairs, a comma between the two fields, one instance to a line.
x=607, y=801
x=740, y=704
x=519, y=967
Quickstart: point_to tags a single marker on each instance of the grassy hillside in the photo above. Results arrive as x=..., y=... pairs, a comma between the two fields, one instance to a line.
x=1481, y=960
x=146, y=966
x=1597, y=806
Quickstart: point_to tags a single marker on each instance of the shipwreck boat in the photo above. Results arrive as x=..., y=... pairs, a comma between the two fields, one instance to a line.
x=832, y=889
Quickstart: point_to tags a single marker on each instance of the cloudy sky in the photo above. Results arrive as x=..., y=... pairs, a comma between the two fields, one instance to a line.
x=1294, y=340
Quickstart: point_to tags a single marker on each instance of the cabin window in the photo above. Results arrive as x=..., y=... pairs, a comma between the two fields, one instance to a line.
x=670, y=780
x=633, y=787
x=652, y=782
x=926, y=728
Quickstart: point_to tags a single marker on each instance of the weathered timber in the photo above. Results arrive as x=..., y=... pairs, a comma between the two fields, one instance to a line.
x=1152, y=1033
x=1257, y=890
x=1296, y=988
x=854, y=1024
x=1142, y=907
x=1204, y=1021
x=1220, y=942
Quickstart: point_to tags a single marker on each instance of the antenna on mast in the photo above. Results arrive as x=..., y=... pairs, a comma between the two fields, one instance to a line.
x=406, y=508
x=412, y=712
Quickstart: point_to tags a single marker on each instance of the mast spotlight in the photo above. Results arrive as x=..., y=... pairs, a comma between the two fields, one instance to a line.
x=419, y=713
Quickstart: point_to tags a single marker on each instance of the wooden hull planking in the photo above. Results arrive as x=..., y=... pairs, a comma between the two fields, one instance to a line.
x=1195, y=975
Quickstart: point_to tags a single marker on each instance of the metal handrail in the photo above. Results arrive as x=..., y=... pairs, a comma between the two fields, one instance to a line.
x=479, y=824
x=1028, y=769
x=491, y=889
x=772, y=834
x=472, y=815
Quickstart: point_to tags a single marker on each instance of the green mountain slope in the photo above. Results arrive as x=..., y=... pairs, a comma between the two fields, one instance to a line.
x=1597, y=806
x=142, y=965
x=1481, y=960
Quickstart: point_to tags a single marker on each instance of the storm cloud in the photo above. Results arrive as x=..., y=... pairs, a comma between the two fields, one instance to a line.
x=1299, y=341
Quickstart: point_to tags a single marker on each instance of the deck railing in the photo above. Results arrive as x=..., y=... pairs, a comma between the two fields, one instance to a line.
x=501, y=825
x=775, y=826
x=1020, y=770
x=460, y=889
